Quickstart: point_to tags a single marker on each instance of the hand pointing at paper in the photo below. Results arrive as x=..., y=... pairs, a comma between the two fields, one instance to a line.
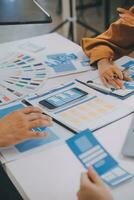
x=18, y=126
x=110, y=74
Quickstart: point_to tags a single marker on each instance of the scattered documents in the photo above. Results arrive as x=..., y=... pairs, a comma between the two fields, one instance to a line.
x=91, y=111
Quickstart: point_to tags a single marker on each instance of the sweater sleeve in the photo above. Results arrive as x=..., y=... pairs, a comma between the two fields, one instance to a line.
x=118, y=40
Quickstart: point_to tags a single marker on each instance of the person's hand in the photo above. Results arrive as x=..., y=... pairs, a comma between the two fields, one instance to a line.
x=126, y=15
x=92, y=188
x=111, y=75
x=18, y=125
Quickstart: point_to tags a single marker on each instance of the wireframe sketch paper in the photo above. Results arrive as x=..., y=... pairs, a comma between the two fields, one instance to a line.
x=91, y=111
x=90, y=152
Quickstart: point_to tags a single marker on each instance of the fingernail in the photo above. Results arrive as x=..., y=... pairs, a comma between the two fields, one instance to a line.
x=50, y=121
x=50, y=124
x=118, y=87
x=42, y=134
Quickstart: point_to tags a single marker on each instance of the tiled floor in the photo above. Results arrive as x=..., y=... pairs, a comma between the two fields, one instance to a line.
x=92, y=16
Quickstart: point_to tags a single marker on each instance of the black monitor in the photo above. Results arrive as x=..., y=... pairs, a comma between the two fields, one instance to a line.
x=22, y=12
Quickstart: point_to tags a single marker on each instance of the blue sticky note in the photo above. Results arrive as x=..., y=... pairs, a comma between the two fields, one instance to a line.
x=34, y=143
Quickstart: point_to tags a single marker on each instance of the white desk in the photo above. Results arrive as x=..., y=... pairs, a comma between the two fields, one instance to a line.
x=49, y=175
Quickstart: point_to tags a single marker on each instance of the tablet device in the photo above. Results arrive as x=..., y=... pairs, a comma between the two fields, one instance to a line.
x=128, y=148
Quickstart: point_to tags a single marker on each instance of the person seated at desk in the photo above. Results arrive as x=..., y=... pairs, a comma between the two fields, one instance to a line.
x=92, y=187
x=117, y=41
x=18, y=125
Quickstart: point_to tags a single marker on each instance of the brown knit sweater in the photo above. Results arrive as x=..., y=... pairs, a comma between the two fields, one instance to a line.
x=117, y=41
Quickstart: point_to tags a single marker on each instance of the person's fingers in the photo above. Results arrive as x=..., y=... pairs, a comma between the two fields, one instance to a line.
x=124, y=16
x=128, y=18
x=114, y=83
x=39, y=123
x=110, y=81
x=92, y=175
x=29, y=135
x=37, y=134
x=110, y=73
x=126, y=77
x=34, y=116
x=31, y=109
x=84, y=180
x=119, y=83
x=104, y=81
x=110, y=77
x=118, y=72
x=122, y=10
x=78, y=194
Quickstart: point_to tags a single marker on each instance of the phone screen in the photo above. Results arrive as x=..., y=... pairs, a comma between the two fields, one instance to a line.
x=63, y=98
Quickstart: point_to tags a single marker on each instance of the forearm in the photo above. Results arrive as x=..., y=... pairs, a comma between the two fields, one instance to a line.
x=104, y=62
x=97, y=49
x=113, y=43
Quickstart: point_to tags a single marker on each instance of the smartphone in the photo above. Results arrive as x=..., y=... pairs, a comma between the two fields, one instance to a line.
x=63, y=98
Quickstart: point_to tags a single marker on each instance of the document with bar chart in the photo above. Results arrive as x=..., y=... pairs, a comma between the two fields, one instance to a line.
x=91, y=153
